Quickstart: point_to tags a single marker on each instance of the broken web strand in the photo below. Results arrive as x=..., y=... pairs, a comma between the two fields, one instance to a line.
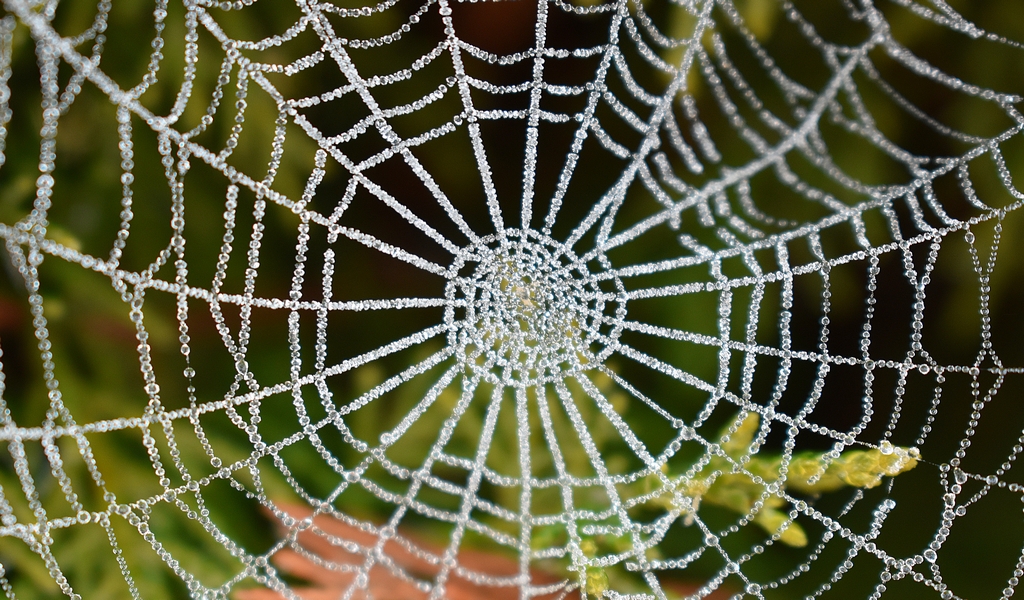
x=607, y=212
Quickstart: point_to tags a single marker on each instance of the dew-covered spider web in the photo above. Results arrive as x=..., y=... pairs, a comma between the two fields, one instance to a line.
x=519, y=299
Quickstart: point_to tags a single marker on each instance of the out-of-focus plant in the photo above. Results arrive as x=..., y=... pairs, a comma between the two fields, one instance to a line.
x=737, y=478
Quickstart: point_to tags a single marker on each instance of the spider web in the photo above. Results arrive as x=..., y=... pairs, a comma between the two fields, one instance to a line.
x=529, y=264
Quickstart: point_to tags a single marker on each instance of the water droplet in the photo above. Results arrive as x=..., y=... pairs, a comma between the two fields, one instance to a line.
x=991, y=480
x=960, y=476
x=753, y=588
x=930, y=556
x=885, y=447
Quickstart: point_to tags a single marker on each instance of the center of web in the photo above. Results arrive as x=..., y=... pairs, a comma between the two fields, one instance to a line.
x=529, y=310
